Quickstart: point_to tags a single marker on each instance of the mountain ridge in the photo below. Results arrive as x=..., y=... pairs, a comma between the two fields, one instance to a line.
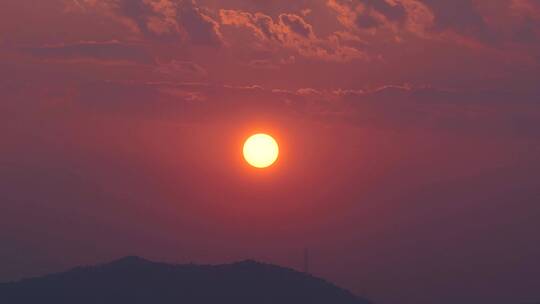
x=134, y=279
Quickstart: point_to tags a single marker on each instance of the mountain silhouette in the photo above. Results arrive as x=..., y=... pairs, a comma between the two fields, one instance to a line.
x=133, y=280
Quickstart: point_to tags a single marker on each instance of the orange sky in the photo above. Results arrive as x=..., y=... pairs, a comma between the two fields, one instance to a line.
x=409, y=135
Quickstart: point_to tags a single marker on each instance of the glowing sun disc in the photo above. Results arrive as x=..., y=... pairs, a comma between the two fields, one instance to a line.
x=261, y=150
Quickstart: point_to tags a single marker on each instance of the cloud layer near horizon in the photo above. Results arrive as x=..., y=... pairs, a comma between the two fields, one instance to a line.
x=481, y=51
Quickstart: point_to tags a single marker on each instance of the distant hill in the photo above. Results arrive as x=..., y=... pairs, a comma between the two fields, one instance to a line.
x=134, y=280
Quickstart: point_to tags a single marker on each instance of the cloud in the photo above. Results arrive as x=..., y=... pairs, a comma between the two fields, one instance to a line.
x=201, y=28
x=427, y=107
x=314, y=55
x=264, y=64
x=375, y=17
x=168, y=20
x=432, y=19
x=291, y=32
x=390, y=107
x=297, y=25
x=527, y=7
x=525, y=15
x=182, y=101
x=182, y=70
x=109, y=52
x=371, y=13
x=262, y=25
x=460, y=16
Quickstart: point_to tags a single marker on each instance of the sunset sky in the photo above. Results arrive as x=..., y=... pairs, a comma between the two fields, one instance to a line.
x=409, y=135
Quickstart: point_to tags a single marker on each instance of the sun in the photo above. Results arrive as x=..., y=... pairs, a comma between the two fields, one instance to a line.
x=261, y=150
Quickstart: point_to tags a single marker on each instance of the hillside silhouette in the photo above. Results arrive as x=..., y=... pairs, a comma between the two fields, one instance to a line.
x=134, y=280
